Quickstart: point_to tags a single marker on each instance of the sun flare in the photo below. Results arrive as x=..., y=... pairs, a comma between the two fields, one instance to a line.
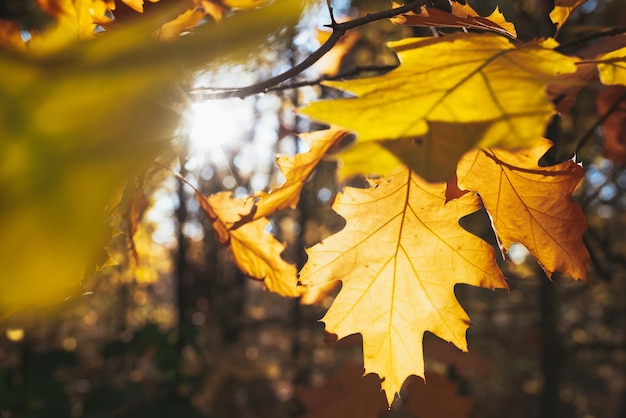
x=217, y=127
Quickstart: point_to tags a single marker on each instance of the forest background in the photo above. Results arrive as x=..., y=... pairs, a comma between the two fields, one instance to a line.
x=169, y=326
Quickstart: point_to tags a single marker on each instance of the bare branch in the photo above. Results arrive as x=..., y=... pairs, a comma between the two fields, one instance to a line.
x=339, y=29
x=591, y=37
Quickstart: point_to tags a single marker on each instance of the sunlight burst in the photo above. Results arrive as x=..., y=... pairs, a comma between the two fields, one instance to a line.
x=216, y=128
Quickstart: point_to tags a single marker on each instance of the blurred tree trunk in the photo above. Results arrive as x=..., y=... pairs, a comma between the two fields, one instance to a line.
x=551, y=350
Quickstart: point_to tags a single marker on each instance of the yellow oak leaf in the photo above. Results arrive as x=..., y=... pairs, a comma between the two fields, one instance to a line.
x=255, y=251
x=297, y=170
x=531, y=205
x=612, y=67
x=562, y=11
x=399, y=257
x=461, y=79
x=460, y=16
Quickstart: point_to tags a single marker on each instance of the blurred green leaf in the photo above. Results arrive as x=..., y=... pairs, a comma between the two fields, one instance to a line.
x=78, y=122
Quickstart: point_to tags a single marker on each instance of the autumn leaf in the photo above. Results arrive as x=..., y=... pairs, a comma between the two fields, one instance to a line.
x=242, y=222
x=136, y=5
x=350, y=394
x=74, y=20
x=461, y=79
x=531, y=205
x=562, y=11
x=399, y=257
x=61, y=171
x=460, y=16
x=436, y=397
x=614, y=126
x=612, y=67
x=188, y=19
x=11, y=35
x=297, y=170
x=255, y=251
x=564, y=89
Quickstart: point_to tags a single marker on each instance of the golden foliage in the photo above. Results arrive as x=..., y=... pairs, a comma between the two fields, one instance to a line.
x=460, y=16
x=255, y=251
x=612, y=67
x=531, y=205
x=297, y=170
x=562, y=11
x=399, y=257
x=461, y=79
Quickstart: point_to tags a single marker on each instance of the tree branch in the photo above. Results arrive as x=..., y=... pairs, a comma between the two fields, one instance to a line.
x=339, y=29
x=591, y=37
x=355, y=72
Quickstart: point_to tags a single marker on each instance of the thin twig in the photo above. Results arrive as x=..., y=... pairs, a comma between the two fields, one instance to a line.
x=339, y=29
x=591, y=37
x=354, y=73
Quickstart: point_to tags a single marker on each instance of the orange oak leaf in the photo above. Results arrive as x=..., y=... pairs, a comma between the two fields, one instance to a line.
x=460, y=16
x=297, y=170
x=614, y=126
x=256, y=252
x=563, y=10
x=350, y=394
x=11, y=35
x=437, y=397
x=188, y=19
x=399, y=257
x=531, y=205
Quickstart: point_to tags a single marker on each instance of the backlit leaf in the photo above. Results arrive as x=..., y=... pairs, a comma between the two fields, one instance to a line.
x=563, y=9
x=460, y=16
x=462, y=79
x=255, y=251
x=399, y=257
x=612, y=67
x=531, y=205
x=296, y=170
